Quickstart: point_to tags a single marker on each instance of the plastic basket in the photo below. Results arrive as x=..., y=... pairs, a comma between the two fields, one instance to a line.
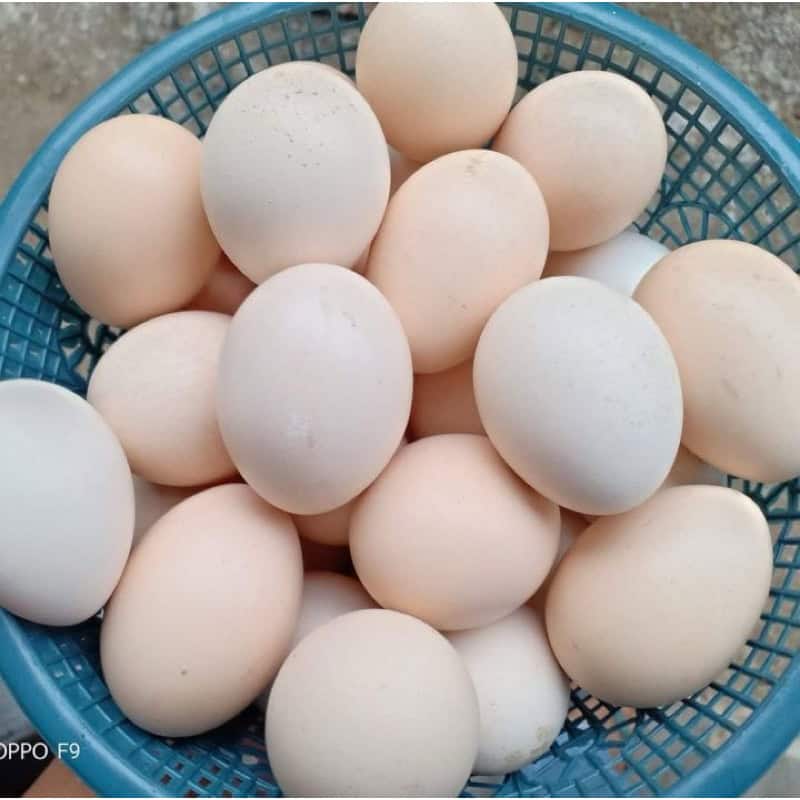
x=733, y=171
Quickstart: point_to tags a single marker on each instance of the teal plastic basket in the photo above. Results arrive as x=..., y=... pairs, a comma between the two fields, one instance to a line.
x=733, y=171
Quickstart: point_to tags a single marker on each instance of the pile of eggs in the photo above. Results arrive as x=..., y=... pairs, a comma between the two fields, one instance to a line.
x=461, y=363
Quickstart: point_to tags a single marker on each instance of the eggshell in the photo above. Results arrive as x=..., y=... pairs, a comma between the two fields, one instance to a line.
x=155, y=386
x=151, y=502
x=444, y=402
x=332, y=527
x=440, y=76
x=620, y=263
x=579, y=392
x=66, y=504
x=597, y=146
x=224, y=291
x=401, y=169
x=523, y=696
x=688, y=470
x=449, y=534
x=729, y=311
x=128, y=233
x=572, y=525
x=345, y=712
x=295, y=169
x=461, y=234
x=326, y=595
x=314, y=387
x=223, y=543
x=674, y=587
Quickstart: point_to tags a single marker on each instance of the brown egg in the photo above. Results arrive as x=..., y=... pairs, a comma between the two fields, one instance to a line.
x=295, y=170
x=445, y=273
x=225, y=561
x=325, y=557
x=596, y=144
x=156, y=388
x=449, y=534
x=440, y=76
x=729, y=311
x=224, y=291
x=330, y=528
x=674, y=588
x=128, y=232
x=444, y=402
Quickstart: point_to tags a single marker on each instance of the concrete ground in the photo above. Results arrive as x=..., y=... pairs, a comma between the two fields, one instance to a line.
x=52, y=56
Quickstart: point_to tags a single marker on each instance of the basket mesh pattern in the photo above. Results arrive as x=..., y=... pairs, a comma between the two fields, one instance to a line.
x=717, y=184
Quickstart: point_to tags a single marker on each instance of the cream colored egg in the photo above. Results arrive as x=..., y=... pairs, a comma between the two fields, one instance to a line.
x=155, y=386
x=461, y=234
x=523, y=695
x=729, y=311
x=572, y=525
x=326, y=595
x=689, y=470
x=332, y=527
x=152, y=502
x=128, y=232
x=66, y=504
x=295, y=170
x=224, y=291
x=449, y=534
x=579, y=392
x=401, y=169
x=597, y=146
x=620, y=263
x=225, y=561
x=444, y=402
x=314, y=387
x=674, y=587
x=372, y=704
x=440, y=76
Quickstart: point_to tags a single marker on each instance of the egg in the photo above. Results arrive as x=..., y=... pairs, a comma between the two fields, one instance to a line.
x=729, y=311
x=330, y=558
x=401, y=168
x=578, y=391
x=523, y=696
x=441, y=77
x=155, y=386
x=331, y=528
x=620, y=263
x=66, y=504
x=444, y=402
x=295, y=170
x=326, y=595
x=688, y=470
x=224, y=291
x=445, y=273
x=151, y=502
x=314, y=387
x=372, y=704
x=675, y=587
x=449, y=534
x=597, y=146
x=128, y=233
x=572, y=525
x=222, y=560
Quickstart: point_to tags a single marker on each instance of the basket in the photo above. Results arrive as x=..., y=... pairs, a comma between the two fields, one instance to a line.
x=733, y=171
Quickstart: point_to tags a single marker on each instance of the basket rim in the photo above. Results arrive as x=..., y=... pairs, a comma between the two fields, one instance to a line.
x=725, y=773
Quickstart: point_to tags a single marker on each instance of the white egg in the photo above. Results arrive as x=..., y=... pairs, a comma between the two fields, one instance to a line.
x=523, y=695
x=66, y=504
x=620, y=263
